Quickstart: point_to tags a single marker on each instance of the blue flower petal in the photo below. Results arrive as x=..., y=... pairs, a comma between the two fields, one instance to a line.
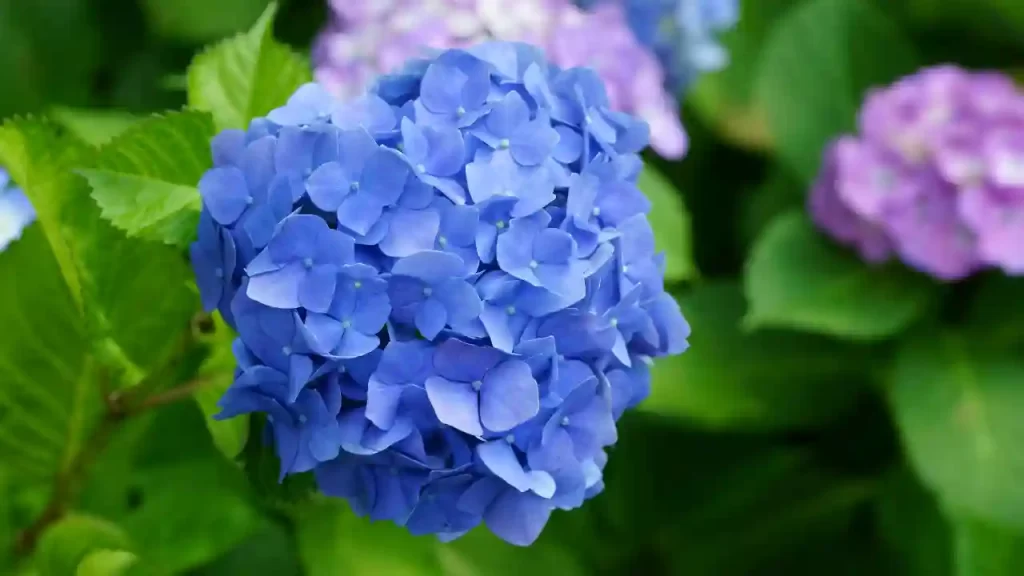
x=225, y=194
x=508, y=397
x=456, y=404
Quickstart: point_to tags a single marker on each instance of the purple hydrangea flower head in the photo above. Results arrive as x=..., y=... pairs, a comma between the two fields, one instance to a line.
x=935, y=175
x=16, y=212
x=363, y=42
x=446, y=290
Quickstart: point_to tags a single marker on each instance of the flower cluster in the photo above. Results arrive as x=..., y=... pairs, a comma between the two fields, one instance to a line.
x=936, y=175
x=16, y=213
x=366, y=39
x=683, y=33
x=446, y=290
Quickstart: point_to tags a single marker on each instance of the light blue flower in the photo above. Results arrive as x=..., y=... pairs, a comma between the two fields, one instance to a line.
x=446, y=291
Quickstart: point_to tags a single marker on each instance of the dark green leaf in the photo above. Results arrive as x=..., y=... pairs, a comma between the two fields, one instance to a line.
x=818, y=62
x=913, y=528
x=66, y=543
x=798, y=279
x=246, y=76
x=988, y=31
x=48, y=53
x=671, y=224
x=765, y=380
x=333, y=540
x=996, y=312
x=200, y=20
x=145, y=179
x=957, y=405
x=780, y=192
x=749, y=507
x=984, y=549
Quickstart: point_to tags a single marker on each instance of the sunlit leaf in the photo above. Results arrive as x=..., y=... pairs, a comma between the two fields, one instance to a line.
x=246, y=76
x=145, y=179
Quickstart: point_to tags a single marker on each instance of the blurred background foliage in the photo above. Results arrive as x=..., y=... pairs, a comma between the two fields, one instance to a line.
x=764, y=452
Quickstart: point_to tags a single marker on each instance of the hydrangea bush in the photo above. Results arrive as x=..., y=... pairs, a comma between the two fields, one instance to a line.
x=642, y=62
x=446, y=290
x=16, y=211
x=935, y=175
x=437, y=303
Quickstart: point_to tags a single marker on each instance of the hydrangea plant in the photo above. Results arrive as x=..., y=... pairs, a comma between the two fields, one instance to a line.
x=446, y=290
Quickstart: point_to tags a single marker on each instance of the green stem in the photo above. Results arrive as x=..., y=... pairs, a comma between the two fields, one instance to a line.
x=119, y=407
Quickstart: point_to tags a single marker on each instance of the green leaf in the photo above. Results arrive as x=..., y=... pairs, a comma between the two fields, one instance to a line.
x=163, y=480
x=333, y=540
x=246, y=76
x=798, y=279
x=106, y=563
x=95, y=126
x=76, y=293
x=191, y=512
x=913, y=528
x=111, y=277
x=145, y=179
x=270, y=550
x=766, y=380
x=671, y=224
x=818, y=62
x=957, y=405
x=39, y=156
x=984, y=549
x=726, y=97
x=63, y=547
x=228, y=435
x=200, y=20
x=481, y=552
x=48, y=397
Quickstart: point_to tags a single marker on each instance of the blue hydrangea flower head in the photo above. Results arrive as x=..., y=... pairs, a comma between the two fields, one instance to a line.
x=684, y=33
x=446, y=291
x=16, y=212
